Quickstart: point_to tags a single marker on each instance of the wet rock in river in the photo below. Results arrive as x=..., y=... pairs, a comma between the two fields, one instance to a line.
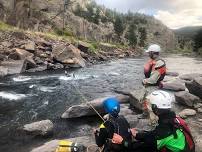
x=86, y=109
x=44, y=128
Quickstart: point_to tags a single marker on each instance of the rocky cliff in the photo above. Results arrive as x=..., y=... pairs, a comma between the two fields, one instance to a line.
x=47, y=15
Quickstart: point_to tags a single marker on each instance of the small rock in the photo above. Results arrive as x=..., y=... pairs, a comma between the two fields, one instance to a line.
x=44, y=128
x=6, y=44
x=30, y=46
x=197, y=105
x=199, y=110
x=186, y=98
x=187, y=112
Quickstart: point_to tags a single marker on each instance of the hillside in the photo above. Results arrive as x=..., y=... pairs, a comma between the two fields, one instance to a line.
x=188, y=32
x=86, y=20
x=35, y=31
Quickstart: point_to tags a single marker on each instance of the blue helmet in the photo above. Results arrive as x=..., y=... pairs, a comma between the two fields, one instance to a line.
x=112, y=106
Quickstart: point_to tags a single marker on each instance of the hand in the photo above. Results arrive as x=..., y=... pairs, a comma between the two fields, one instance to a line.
x=145, y=105
x=95, y=131
x=133, y=132
x=117, y=139
x=144, y=82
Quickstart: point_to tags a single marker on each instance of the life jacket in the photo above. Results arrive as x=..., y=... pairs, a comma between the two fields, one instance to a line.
x=122, y=128
x=179, y=123
x=150, y=66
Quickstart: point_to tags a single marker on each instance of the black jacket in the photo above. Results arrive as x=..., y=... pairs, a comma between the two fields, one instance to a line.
x=117, y=125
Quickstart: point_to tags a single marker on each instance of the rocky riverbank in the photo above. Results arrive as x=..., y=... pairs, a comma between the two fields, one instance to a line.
x=187, y=104
x=31, y=52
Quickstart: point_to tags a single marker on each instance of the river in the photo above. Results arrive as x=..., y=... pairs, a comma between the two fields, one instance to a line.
x=30, y=97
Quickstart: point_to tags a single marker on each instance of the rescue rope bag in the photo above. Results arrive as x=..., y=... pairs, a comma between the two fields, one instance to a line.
x=67, y=146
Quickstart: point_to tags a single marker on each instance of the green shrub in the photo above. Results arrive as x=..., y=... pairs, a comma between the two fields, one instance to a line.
x=60, y=32
x=4, y=26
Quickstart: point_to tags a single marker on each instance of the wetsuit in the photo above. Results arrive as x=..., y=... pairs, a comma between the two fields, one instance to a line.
x=117, y=125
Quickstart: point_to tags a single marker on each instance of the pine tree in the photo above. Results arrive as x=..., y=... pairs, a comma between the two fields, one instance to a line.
x=198, y=41
x=132, y=37
x=118, y=26
x=143, y=36
x=97, y=16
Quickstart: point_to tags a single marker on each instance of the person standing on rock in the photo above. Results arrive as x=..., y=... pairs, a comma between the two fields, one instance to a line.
x=115, y=125
x=170, y=135
x=155, y=68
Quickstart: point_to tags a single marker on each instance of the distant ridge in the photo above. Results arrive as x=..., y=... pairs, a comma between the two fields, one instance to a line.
x=188, y=32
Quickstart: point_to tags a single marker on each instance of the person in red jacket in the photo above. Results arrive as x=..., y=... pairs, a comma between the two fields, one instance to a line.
x=155, y=68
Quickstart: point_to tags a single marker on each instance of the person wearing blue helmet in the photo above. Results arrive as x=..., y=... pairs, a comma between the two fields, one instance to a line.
x=115, y=125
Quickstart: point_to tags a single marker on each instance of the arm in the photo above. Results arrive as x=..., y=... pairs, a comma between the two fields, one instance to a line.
x=155, y=75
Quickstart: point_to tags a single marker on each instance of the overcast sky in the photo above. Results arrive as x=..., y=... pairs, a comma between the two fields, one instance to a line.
x=173, y=13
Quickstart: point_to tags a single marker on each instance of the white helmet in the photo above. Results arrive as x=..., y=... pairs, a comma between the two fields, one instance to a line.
x=161, y=99
x=153, y=48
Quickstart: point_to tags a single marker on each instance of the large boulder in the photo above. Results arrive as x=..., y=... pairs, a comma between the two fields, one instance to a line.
x=173, y=86
x=44, y=128
x=14, y=67
x=3, y=71
x=29, y=46
x=187, y=112
x=86, y=109
x=83, y=46
x=69, y=55
x=50, y=146
x=195, y=86
x=136, y=97
x=190, y=77
x=20, y=54
x=186, y=98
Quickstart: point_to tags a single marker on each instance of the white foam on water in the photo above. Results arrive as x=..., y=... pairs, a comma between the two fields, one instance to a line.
x=46, y=89
x=76, y=77
x=32, y=86
x=21, y=78
x=12, y=96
